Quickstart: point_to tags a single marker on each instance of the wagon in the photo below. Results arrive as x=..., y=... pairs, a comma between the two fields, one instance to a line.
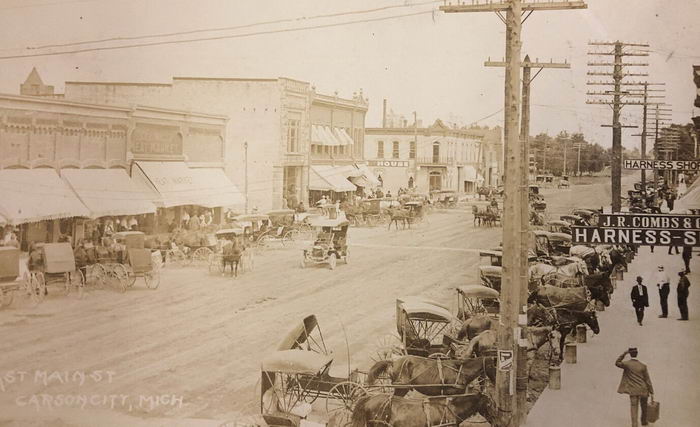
x=490, y=276
x=491, y=257
x=415, y=209
x=142, y=264
x=283, y=228
x=330, y=245
x=254, y=226
x=298, y=373
x=422, y=327
x=107, y=265
x=199, y=245
x=59, y=268
x=13, y=280
x=444, y=198
x=475, y=300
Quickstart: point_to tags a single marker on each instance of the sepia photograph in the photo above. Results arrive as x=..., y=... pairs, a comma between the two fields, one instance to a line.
x=367, y=213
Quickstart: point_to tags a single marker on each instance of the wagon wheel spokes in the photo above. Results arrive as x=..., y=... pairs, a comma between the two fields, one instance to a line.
x=201, y=255
x=342, y=396
x=387, y=347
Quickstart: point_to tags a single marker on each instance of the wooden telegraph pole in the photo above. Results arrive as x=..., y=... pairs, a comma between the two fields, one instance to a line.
x=515, y=271
x=616, y=104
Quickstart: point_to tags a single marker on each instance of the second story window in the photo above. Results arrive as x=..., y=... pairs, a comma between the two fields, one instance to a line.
x=292, y=136
x=380, y=149
x=395, y=150
x=412, y=150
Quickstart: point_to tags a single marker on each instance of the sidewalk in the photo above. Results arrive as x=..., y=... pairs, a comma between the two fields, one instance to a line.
x=670, y=348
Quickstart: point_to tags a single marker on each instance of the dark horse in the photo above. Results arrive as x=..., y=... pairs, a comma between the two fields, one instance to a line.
x=567, y=320
x=433, y=377
x=396, y=215
x=388, y=410
x=600, y=286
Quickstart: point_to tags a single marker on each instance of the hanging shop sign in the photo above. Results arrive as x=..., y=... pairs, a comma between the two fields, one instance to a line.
x=641, y=229
x=638, y=164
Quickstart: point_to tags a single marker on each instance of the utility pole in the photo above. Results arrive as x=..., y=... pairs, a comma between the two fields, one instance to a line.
x=527, y=67
x=512, y=411
x=617, y=74
x=245, y=147
x=565, y=141
x=644, y=93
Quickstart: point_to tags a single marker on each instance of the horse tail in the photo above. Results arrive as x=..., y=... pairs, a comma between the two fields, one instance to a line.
x=378, y=369
x=359, y=412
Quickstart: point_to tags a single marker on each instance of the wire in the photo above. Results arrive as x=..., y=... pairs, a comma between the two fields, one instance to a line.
x=488, y=117
x=237, y=27
x=234, y=36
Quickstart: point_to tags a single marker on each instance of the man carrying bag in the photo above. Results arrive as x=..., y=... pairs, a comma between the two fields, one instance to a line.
x=637, y=384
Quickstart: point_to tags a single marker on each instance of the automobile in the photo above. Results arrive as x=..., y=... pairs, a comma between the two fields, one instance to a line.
x=330, y=244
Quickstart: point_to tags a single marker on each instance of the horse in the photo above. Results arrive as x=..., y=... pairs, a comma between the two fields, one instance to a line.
x=552, y=296
x=232, y=255
x=566, y=321
x=600, y=286
x=474, y=326
x=385, y=409
x=422, y=374
x=396, y=215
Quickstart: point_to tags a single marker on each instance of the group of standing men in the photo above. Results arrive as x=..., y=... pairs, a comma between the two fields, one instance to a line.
x=640, y=295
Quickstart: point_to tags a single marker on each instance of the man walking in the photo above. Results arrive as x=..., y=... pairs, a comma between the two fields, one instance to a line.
x=687, y=254
x=636, y=383
x=683, y=292
x=662, y=283
x=640, y=299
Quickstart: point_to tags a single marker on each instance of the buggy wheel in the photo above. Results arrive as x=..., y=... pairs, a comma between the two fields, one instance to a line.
x=262, y=242
x=117, y=277
x=99, y=275
x=202, y=255
x=39, y=285
x=332, y=261
x=289, y=237
x=387, y=347
x=342, y=396
x=152, y=279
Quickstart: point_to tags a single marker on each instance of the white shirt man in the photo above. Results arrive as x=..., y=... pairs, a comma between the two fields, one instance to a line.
x=662, y=283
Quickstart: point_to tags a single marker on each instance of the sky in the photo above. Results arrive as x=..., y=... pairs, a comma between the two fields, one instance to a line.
x=431, y=62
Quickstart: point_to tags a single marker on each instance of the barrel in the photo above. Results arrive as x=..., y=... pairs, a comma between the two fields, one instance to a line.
x=555, y=377
x=581, y=334
x=570, y=353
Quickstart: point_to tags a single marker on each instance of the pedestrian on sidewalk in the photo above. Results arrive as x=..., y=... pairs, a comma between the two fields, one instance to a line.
x=683, y=291
x=662, y=283
x=687, y=254
x=636, y=383
x=640, y=299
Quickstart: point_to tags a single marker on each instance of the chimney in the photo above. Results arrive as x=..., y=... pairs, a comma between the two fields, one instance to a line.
x=384, y=114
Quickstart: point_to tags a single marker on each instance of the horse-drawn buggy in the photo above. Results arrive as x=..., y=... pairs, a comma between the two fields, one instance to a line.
x=283, y=228
x=422, y=326
x=558, y=226
x=590, y=216
x=242, y=258
x=59, y=268
x=444, y=198
x=572, y=220
x=330, y=244
x=415, y=211
x=477, y=300
x=560, y=243
x=298, y=373
x=254, y=227
x=12, y=279
x=197, y=245
x=128, y=260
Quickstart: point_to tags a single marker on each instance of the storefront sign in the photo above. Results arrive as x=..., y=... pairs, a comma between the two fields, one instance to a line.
x=637, y=164
x=389, y=163
x=635, y=236
x=156, y=139
x=656, y=221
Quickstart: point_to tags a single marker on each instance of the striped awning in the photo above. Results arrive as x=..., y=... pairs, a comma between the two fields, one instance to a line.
x=330, y=178
x=32, y=195
x=325, y=135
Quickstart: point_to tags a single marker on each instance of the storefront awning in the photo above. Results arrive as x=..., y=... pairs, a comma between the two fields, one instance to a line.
x=32, y=195
x=367, y=177
x=330, y=178
x=109, y=192
x=470, y=174
x=175, y=184
x=324, y=135
x=690, y=200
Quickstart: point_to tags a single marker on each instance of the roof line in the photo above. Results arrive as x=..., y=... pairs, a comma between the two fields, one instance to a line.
x=234, y=79
x=118, y=83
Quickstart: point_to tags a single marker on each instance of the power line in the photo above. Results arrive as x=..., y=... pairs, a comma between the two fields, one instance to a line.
x=233, y=36
x=236, y=27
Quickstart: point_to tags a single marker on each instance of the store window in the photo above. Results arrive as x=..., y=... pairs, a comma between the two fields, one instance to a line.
x=380, y=149
x=395, y=153
x=293, y=136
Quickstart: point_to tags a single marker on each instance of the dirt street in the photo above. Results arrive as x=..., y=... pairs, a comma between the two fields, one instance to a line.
x=191, y=350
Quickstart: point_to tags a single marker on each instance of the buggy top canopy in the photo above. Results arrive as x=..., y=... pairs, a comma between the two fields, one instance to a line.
x=300, y=334
x=417, y=299
x=560, y=237
x=426, y=311
x=558, y=222
x=413, y=203
x=478, y=291
x=327, y=222
x=296, y=362
x=226, y=231
x=491, y=270
x=281, y=212
x=251, y=218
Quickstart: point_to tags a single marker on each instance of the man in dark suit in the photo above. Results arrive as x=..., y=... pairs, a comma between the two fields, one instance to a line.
x=640, y=299
x=683, y=291
x=636, y=383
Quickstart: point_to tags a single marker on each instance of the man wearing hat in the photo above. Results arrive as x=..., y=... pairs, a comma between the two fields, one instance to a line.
x=662, y=283
x=640, y=299
x=636, y=383
x=683, y=291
